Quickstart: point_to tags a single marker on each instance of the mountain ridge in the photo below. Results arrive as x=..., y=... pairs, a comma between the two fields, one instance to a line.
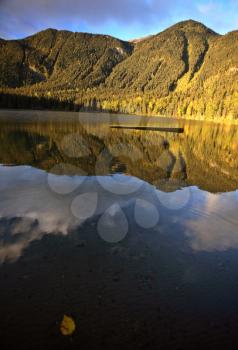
x=187, y=69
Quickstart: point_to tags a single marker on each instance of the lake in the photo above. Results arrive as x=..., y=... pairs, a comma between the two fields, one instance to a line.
x=131, y=233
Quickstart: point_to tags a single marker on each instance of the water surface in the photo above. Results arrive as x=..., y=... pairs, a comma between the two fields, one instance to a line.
x=132, y=233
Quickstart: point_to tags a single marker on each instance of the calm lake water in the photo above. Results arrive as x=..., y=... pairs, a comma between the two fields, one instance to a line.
x=133, y=234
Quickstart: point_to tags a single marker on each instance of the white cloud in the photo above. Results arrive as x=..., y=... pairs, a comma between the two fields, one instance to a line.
x=214, y=224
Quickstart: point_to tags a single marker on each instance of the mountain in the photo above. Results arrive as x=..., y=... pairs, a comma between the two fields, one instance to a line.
x=60, y=57
x=187, y=70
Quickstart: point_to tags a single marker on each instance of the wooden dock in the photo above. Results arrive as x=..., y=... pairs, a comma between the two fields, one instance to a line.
x=149, y=128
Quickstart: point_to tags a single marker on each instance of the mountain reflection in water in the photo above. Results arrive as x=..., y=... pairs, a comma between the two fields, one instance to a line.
x=77, y=157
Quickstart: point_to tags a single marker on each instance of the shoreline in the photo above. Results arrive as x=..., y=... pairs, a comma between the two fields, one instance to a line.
x=221, y=120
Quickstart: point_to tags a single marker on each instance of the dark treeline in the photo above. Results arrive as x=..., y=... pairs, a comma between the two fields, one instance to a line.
x=8, y=100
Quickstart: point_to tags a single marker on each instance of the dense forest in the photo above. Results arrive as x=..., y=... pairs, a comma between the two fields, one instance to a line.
x=186, y=71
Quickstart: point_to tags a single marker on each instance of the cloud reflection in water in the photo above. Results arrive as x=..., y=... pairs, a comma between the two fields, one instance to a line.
x=29, y=209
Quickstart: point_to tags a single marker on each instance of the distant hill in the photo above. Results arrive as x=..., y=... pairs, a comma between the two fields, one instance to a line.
x=187, y=70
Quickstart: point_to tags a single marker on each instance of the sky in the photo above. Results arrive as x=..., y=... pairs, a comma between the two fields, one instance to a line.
x=124, y=19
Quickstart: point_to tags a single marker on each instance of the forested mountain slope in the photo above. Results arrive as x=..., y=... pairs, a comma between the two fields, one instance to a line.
x=185, y=71
x=60, y=58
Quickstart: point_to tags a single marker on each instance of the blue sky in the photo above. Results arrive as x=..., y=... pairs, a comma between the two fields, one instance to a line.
x=125, y=19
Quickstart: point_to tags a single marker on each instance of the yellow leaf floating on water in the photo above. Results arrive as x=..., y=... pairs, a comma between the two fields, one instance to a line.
x=67, y=326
